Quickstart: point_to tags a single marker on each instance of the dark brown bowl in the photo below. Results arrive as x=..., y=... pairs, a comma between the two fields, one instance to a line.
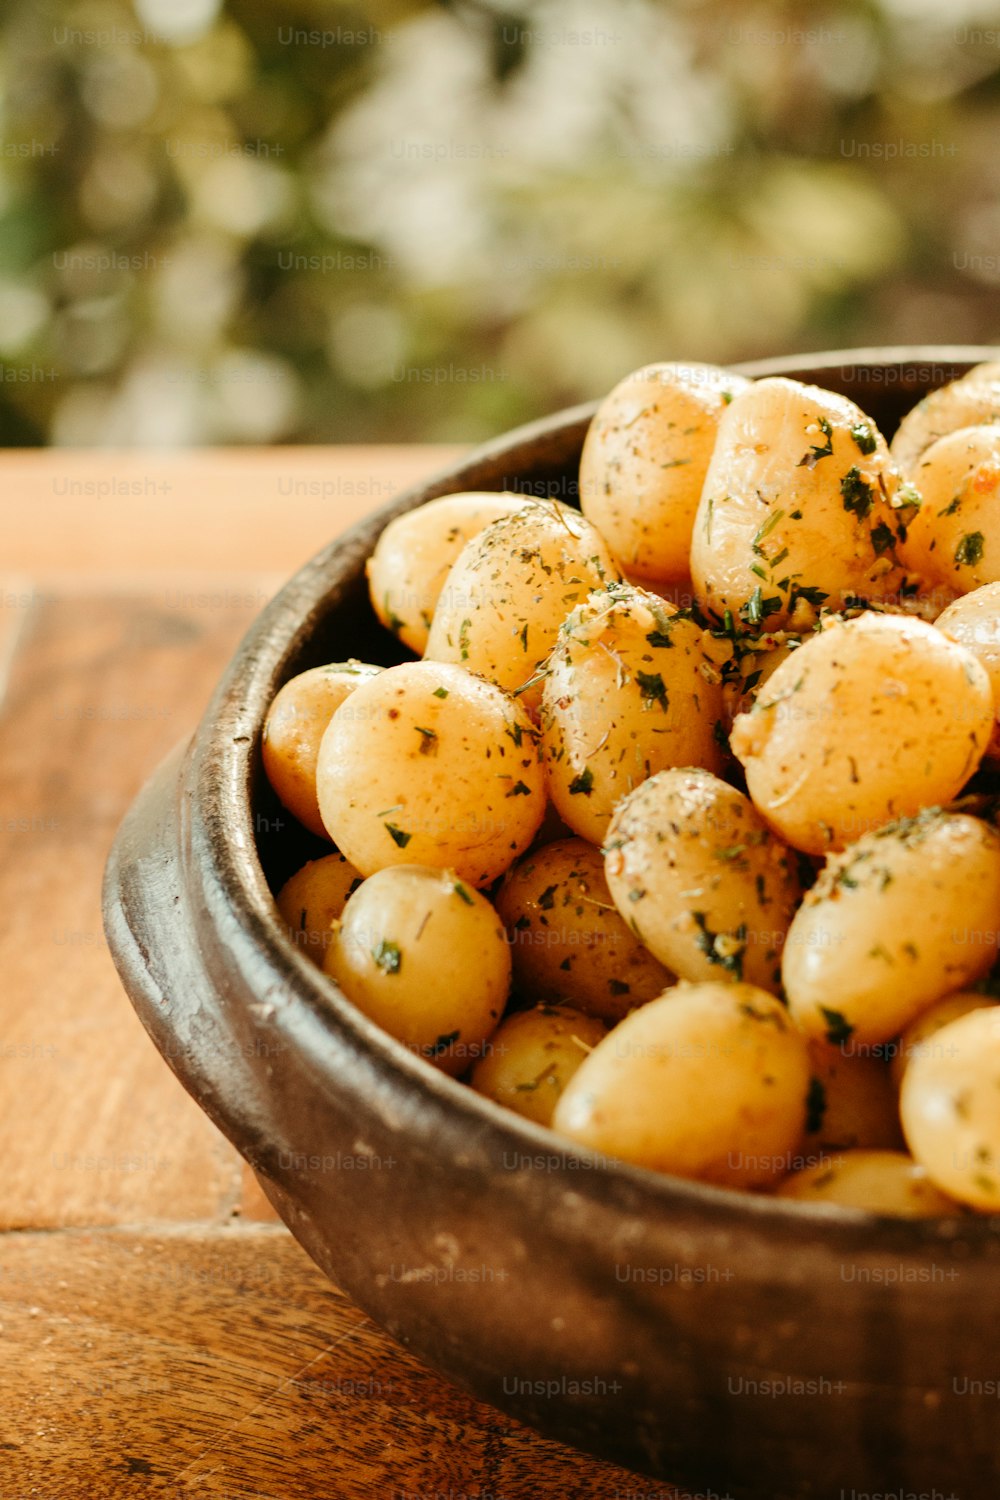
x=727, y=1342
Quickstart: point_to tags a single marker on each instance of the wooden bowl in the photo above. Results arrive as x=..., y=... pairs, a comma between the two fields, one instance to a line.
x=726, y=1342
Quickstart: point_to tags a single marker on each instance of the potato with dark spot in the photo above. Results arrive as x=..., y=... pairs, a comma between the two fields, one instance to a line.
x=313, y=898
x=567, y=938
x=631, y=688
x=294, y=727
x=801, y=507
x=509, y=591
x=430, y=764
x=644, y=462
x=953, y=540
x=701, y=879
x=532, y=1056
x=950, y=1105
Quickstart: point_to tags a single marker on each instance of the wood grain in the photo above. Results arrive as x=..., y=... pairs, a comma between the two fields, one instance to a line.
x=223, y=1364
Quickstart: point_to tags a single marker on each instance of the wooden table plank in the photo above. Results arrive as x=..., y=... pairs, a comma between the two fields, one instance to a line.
x=99, y=690
x=214, y=510
x=222, y=1364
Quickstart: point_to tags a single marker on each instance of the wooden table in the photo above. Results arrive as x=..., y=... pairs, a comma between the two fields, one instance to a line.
x=162, y=1333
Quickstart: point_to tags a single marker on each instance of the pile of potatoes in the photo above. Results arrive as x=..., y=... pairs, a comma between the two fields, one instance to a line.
x=677, y=832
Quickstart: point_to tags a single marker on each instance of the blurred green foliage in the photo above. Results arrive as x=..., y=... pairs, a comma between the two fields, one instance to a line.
x=275, y=220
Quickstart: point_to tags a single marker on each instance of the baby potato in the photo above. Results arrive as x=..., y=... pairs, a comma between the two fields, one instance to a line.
x=532, y=1056
x=950, y=1107
x=968, y=402
x=567, y=940
x=869, y=720
x=801, y=507
x=852, y=1103
x=295, y=724
x=919, y=1037
x=630, y=689
x=899, y=919
x=312, y=898
x=701, y=879
x=709, y=1081
x=425, y=956
x=974, y=622
x=644, y=462
x=428, y=764
x=953, y=540
x=407, y=570
x=511, y=588
x=880, y=1182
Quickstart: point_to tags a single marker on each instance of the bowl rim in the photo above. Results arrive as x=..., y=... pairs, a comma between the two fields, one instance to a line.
x=314, y=1012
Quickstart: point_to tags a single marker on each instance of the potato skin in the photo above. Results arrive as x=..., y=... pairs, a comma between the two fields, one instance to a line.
x=801, y=506
x=853, y=1103
x=969, y=402
x=878, y=1182
x=898, y=920
x=920, y=1036
x=509, y=591
x=974, y=622
x=701, y=879
x=531, y=1057
x=950, y=1106
x=428, y=764
x=868, y=720
x=408, y=568
x=953, y=541
x=567, y=940
x=644, y=462
x=425, y=956
x=708, y=1082
x=295, y=724
x=313, y=898
x=630, y=690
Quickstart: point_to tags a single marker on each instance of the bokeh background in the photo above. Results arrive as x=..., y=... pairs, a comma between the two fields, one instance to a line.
x=253, y=221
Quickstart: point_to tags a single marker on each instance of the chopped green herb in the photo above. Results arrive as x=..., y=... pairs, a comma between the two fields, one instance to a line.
x=444, y=1042
x=583, y=783
x=864, y=437
x=856, y=493
x=547, y=899
x=653, y=688
x=463, y=638
x=818, y=451
x=970, y=548
x=463, y=892
x=838, y=1028
x=399, y=838
x=388, y=957
x=882, y=538
x=619, y=987
x=951, y=509
x=519, y=790
x=440, y=692
x=815, y=1105
x=766, y=528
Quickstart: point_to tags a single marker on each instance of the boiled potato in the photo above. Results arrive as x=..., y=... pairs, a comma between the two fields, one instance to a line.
x=631, y=689
x=428, y=764
x=967, y=402
x=426, y=957
x=701, y=879
x=312, y=898
x=408, y=568
x=801, y=507
x=953, y=541
x=880, y=1182
x=974, y=622
x=899, y=919
x=510, y=590
x=529, y=1060
x=920, y=1037
x=567, y=940
x=644, y=462
x=868, y=720
x=950, y=1106
x=710, y=1082
x=852, y=1102
x=295, y=724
